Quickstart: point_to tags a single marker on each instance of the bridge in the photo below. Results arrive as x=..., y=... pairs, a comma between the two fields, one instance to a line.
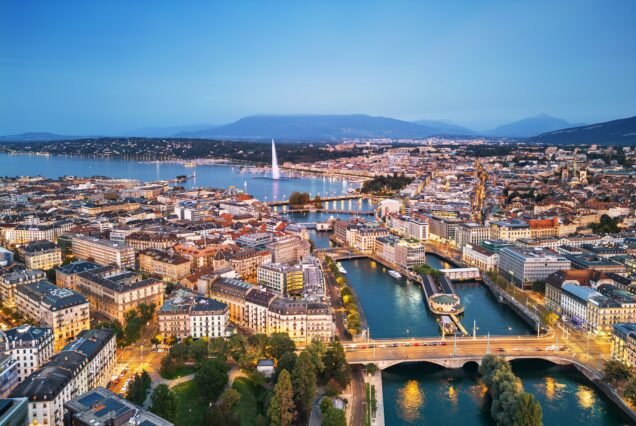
x=458, y=351
x=324, y=199
x=329, y=211
x=461, y=274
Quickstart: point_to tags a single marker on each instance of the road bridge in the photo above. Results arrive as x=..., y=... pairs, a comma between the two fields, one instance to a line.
x=323, y=199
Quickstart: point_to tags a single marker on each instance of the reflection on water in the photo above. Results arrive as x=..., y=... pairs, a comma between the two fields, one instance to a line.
x=410, y=400
x=585, y=396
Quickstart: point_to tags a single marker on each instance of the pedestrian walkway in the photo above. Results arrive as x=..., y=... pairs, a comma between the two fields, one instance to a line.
x=376, y=380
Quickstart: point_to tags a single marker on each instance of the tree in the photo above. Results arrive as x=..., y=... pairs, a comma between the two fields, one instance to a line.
x=211, y=378
x=164, y=402
x=617, y=371
x=286, y=362
x=179, y=351
x=316, y=351
x=168, y=366
x=334, y=417
x=630, y=391
x=236, y=346
x=528, y=411
x=146, y=312
x=218, y=347
x=279, y=344
x=138, y=388
x=281, y=411
x=198, y=350
x=304, y=381
x=549, y=319
x=299, y=199
x=222, y=413
x=371, y=368
x=336, y=365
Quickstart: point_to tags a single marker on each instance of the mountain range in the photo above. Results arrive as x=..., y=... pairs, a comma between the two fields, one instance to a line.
x=336, y=127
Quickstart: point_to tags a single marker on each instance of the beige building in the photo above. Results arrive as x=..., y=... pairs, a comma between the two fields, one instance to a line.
x=282, y=279
x=42, y=254
x=231, y=292
x=103, y=252
x=289, y=250
x=114, y=292
x=64, y=310
x=10, y=281
x=188, y=314
x=246, y=262
x=471, y=233
x=479, y=257
x=170, y=266
x=624, y=343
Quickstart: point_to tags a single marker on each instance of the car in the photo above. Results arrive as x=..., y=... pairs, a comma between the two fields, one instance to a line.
x=394, y=345
x=416, y=344
x=500, y=349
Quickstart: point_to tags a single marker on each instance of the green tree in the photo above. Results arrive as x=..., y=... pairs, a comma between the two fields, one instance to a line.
x=211, y=378
x=236, y=346
x=316, y=351
x=528, y=411
x=281, y=411
x=164, y=402
x=198, y=350
x=336, y=366
x=334, y=417
x=630, y=391
x=371, y=368
x=218, y=347
x=168, y=366
x=304, y=382
x=617, y=371
x=279, y=344
x=286, y=362
x=146, y=312
x=222, y=413
x=549, y=318
x=179, y=351
x=138, y=388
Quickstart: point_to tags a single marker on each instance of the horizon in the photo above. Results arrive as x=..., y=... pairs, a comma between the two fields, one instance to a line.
x=124, y=67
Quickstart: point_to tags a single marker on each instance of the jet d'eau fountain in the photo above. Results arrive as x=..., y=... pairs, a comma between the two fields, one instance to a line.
x=275, y=168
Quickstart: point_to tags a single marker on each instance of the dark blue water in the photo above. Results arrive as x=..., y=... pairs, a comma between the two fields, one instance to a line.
x=426, y=394
x=217, y=176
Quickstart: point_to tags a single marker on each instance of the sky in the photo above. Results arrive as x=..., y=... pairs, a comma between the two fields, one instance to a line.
x=108, y=67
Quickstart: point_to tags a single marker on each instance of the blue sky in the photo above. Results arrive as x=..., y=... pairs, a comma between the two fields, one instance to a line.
x=103, y=67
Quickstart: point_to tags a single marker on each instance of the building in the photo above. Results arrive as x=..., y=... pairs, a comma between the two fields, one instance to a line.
x=400, y=252
x=282, y=279
x=246, y=262
x=64, y=310
x=187, y=314
x=596, y=263
x=114, y=292
x=65, y=376
x=512, y=230
x=14, y=412
x=9, y=376
x=42, y=254
x=471, y=233
x=31, y=346
x=289, y=250
x=364, y=237
x=26, y=233
x=232, y=292
x=6, y=257
x=10, y=281
x=624, y=343
x=442, y=228
x=409, y=227
x=170, y=266
x=480, y=257
x=103, y=252
x=100, y=406
x=66, y=275
x=99, y=347
x=522, y=265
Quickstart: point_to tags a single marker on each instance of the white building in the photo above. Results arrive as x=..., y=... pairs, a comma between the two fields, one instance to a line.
x=31, y=346
x=523, y=265
x=479, y=257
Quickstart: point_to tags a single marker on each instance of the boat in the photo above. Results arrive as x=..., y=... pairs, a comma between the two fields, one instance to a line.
x=341, y=268
x=395, y=274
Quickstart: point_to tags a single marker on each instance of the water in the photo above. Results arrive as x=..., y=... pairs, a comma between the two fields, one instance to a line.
x=426, y=394
x=395, y=308
x=261, y=185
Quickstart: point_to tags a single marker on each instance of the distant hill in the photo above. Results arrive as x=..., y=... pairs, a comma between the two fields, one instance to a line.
x=164, y=132
x=619, y=132
x=314, y=127
x=446, y=128
x=37, y=137
x=529, y=127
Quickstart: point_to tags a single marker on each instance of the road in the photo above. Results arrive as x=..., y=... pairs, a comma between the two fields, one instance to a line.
x=358, y=396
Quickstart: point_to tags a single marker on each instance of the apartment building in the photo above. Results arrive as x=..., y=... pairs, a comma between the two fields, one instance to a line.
x=364, y=237
x=409, y=227
x=167, y=265
x=10, y=281
x=66, y=275
x=9, y=377
x=114, y=292
x=471, y=233
x=480, y=257
x=624, y=343
x=512, y=230
x=282, y=279
x=289, y=250
x=41, y=254
x=64, y=310
x=232, y=292
x=64, y=377
x=31, y=347
x=103, y=252
x=188, y=314
x=23, y=234
x=246, y=262
x=522, y=265
x=400, y=252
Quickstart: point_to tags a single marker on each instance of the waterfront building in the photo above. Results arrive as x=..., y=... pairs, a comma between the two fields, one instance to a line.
x=480, y=257
x=9, y=377
x=42, y=254
x=282, y=279
x=114, y=292
x=364, y=237
x=289, y=250
x=64, y=310
x=100, y=406
x=65, y=376
x=66, y=275
x=624, y=343
x=400, y=252
x=522, y=265
x=10, y=281
x=443, y=228
x=14, y=412
x=471, y=233
x=103, y=252
x=409, y=227
x=31, y=346
x=169, y=266
x=188, y=314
